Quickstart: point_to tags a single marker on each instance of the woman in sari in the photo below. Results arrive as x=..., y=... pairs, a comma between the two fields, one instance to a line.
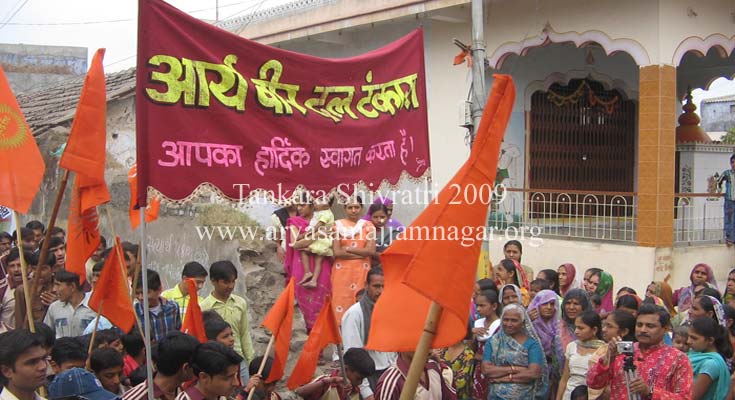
x=545, y=306
x=510, y=294
x=353, y=248
x=701, y=277
x=729, y=295
x=510, y=272
x=575, y=303
x=662, y=290
x=513, y=250
x=513, y=359
x=310, y=299
x=605, y=291
x=567, y=273
x=709, y=348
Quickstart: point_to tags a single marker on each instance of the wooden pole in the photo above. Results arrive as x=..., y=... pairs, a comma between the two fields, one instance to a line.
x=146, y=310
x=24, y=272
x=422, y=352
x=340, y=353
x=262, y=363
x=94, y=334
x=121, y=261
x=52, y=222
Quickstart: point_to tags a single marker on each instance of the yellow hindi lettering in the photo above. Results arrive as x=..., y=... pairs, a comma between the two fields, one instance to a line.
x=389, y=97
x=334, y=108
x=230, y=88
x=175, y=86
x=268, y=90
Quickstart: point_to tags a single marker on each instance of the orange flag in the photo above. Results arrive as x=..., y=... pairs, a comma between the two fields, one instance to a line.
x=443, y=270
x=85, y=154
x=279, y=321
x=193, y=322
x=151, y=211
x=111, y=297
x=21, y=164
x=324, y=332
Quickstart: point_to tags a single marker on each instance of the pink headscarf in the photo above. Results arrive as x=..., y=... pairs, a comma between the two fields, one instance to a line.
x=571, y=273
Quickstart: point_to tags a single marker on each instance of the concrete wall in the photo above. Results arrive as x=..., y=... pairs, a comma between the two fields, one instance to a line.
x=30, y=67
x=629, y=265
x=718, y=117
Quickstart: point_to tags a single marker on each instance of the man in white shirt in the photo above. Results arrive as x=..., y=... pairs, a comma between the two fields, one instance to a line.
x=70, y=314
x=356, y=326
x=15, y=279
x=22, y=365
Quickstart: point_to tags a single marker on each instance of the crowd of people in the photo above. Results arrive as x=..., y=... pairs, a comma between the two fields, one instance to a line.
x=554, y=333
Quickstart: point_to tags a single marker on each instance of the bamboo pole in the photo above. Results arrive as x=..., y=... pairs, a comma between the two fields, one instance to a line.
x=146, y=310
x=262, y=363
x=24, y=272
x=121, y=262
x=52, y=222
x=422, y=352
x=94, y=335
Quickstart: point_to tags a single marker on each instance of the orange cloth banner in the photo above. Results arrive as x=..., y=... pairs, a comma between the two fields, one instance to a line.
x=112, y=296
x=151, y=211
x=419, y=271
x=279, y=321
x=325, y=332
x=21, y=164
x=193, y=320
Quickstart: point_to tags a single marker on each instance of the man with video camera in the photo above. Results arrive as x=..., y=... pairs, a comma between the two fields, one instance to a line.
x=645, y=370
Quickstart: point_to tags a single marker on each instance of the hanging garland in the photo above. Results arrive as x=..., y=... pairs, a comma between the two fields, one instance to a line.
x=561, y=100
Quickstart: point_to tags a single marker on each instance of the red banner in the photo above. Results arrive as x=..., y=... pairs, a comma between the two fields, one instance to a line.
x=213, y=107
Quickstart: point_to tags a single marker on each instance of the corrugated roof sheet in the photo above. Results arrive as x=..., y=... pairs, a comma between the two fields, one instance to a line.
x=236, y=24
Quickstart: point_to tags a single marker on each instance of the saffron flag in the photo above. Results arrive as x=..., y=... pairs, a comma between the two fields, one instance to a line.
x=443, y=270
x=151, y=211
x=111, y=297
x=21, y=164
x=325, y=332
x=193, y=322
x=279, y=321
x=85, y=154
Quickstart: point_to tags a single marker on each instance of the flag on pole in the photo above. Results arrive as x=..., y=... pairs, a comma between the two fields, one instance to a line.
x=112, y=292
x=324, y=332
x=151, y=211
x=443, y=270
x=279, y=321
x=85, y=154
x=193, y=321
x=21, y=164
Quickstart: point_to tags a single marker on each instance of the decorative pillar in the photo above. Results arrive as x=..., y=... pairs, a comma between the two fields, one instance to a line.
x=656, y=158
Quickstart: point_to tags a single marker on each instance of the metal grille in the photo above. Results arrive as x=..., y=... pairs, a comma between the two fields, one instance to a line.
x=582, y=137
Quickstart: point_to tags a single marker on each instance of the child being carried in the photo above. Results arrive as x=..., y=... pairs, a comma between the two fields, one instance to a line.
x=319, y=230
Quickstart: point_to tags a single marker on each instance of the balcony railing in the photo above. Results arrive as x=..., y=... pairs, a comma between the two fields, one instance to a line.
x=698, y=219
x=606, y=216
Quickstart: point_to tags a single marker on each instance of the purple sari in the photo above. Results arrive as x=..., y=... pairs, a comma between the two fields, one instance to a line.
x=310, y=300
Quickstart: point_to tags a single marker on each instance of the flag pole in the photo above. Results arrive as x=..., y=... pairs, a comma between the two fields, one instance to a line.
x=262, y=363
x=121, y=262
x=422, y=352
x=94, y=334
x=146, y=308
x=24, y=272
x=52, y=222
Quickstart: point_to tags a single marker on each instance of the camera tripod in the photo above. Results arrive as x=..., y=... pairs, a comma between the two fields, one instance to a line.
x=630, y=375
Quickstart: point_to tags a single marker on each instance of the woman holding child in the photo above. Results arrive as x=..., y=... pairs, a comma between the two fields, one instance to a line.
x=310, y=297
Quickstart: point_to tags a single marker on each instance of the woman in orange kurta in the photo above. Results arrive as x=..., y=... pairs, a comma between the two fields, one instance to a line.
x=353, y=246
